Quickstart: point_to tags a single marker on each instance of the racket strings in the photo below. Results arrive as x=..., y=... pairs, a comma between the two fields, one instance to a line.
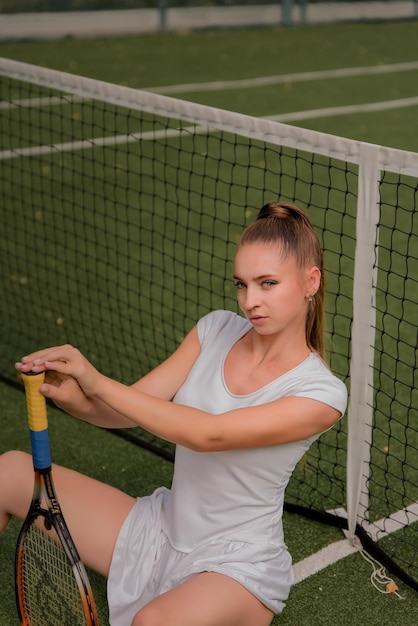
x=49, y=589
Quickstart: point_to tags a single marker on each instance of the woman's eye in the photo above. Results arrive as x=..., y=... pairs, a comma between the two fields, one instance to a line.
x=239, y=284
x=269, y=283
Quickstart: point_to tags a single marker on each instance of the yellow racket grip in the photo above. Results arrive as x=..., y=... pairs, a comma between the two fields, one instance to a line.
x=35, y=401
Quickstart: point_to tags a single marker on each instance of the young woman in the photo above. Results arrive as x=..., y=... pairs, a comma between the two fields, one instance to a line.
x=243, y=397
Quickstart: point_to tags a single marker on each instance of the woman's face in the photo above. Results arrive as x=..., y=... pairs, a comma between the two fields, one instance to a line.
x=273, y=290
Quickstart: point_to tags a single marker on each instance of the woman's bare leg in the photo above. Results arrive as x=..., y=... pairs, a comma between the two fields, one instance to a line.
x=207, y=599
x=94, y=511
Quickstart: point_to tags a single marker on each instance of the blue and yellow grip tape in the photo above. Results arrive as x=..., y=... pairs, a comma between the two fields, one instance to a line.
x=38, y=420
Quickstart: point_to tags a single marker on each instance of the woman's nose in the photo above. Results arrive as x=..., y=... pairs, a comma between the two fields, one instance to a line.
x=251, y=297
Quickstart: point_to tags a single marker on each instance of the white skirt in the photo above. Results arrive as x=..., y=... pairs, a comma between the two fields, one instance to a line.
x=145, y=564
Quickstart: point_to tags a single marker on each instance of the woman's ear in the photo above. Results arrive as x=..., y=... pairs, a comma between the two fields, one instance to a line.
x=313, y=280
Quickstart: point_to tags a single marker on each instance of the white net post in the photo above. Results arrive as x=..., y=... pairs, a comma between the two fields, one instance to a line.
x=360, y=410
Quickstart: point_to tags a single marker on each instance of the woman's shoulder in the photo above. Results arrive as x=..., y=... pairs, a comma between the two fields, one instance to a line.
x=320, y=383
x=221, y=321
x=317, y=364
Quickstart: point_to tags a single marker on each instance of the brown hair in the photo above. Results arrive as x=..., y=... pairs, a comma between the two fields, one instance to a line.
x=289, y=226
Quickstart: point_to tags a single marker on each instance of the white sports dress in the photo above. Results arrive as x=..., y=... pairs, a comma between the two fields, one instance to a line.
x=223, y=512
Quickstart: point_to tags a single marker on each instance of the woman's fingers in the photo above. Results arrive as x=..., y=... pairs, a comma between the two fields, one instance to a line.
x=56, y=358
x=64, y=360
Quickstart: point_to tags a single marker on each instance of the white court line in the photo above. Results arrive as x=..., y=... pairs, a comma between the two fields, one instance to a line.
x=280, y=79
x=396, y=521
x=281, y=117
x=94, y=142
x=40, y=102
x=323, y=558
x=340, y=549
x=239, y=84
x=369, y=107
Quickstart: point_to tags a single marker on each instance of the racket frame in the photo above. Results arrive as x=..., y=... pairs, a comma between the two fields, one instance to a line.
x=51, y=516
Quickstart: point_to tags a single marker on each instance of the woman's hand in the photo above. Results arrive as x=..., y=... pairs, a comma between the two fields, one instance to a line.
x=73, y=384
x=67, y=372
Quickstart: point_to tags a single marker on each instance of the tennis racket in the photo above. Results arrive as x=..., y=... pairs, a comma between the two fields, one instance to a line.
x=52, y=588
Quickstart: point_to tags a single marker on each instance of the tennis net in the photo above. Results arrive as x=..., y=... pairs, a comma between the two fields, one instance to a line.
x=121, y=210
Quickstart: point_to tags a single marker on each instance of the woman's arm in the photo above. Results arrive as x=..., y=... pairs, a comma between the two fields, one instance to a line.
x=147, y=404
x=278, y=422
x=67, y=393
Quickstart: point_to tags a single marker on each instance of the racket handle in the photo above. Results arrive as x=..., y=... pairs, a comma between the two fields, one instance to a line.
x=35, y=401
x=38, y=421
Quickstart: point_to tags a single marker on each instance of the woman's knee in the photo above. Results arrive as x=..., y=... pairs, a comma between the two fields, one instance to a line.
x=16, y=484
x=149, y=616
x=14, y=457
x=15, y=465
